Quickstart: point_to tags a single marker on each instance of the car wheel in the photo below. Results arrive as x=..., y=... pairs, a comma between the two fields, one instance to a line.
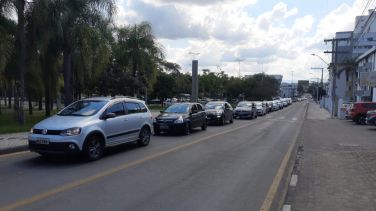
x=362, y=121
x=232, y=119
x=93, y=148
x=187, y=129
x=204, y=125
x=144, y=137
x=223, y=120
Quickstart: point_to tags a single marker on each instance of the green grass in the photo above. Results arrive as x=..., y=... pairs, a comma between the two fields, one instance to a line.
x=8, y=125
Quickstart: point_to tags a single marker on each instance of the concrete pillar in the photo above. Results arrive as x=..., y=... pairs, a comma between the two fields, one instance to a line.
x=194, y=95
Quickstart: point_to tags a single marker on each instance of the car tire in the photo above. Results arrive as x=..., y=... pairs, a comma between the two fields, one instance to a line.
x=187, y=128
x=232, y=119
x=223, y=120
x=144, y=137
x=362, y=121
x=204, y=125
x=93, y=148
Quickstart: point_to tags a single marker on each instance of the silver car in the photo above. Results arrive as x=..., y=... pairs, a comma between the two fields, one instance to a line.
x=90, y=125
x=261, y=108
x=245, y=109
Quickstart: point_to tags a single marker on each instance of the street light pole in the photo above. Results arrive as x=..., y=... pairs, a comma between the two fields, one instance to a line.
x=322, y=77
x=317, y=88
x=239, y=60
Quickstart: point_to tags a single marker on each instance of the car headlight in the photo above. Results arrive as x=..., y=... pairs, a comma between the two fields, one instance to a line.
x=32, y=130
x=71, y=131
x=179, y=120
x=155, y=120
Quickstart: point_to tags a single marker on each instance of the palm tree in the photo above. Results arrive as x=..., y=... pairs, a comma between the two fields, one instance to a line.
x=138, y=49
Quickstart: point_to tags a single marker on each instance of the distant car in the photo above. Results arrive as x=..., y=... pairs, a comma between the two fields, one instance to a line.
x=90, y=125
x=245, y=109
x=261, y=109
x=275, y=106
x=269, y=106
x=181, y=117
x=218, y=111
x=169, y=102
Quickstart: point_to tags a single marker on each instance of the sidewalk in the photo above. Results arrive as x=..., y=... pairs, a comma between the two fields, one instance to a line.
x=16, y=142
x=338, y=164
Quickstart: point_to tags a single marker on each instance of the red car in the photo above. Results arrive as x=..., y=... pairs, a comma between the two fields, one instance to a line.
x=359, y=111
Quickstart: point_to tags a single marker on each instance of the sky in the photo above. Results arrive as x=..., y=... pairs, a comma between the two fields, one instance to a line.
x=274, y=37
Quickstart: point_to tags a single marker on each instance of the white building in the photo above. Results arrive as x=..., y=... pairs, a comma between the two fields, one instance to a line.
x=353, y=44
x=289, y=90
x=366, y=64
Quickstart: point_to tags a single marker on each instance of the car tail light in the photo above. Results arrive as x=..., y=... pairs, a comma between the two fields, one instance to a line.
x=151, y=116
x=374, y=114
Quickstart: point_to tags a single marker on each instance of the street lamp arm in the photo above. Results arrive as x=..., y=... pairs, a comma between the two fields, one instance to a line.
x=320, y=58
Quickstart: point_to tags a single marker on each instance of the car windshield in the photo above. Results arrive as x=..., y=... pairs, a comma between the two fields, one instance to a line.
x=83, y=108
x=177, y=109
x=258, y=104
x=214, y=106
x=242, y=105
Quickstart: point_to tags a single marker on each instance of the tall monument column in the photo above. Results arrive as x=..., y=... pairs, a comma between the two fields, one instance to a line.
x=194, y=95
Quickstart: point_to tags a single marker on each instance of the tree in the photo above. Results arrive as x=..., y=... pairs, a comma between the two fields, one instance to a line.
x=164, y=86
x=139, y=50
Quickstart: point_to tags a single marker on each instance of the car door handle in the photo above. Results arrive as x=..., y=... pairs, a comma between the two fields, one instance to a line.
x=141, y=117
x=125, y=119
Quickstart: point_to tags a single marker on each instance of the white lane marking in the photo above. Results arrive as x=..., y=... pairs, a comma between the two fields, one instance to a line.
x=294, y=119
x=294, y=180
x=281, y=117
x=286, y=207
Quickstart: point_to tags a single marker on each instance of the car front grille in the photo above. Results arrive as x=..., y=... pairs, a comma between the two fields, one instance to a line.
x=49, y=132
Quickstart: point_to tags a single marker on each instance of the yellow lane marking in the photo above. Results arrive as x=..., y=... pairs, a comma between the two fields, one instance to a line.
x=89, y=179
x=277, y=179
x=17, y=153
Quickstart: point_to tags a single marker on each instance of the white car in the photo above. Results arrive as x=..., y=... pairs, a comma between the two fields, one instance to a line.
x=169, y=102
x=90, y=125
x=261, y=108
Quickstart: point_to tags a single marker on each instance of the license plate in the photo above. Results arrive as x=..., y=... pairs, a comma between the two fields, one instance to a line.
x=164, y=127
x=43, y=141
x=208, y=117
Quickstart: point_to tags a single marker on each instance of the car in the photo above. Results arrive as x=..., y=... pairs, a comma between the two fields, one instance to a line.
x=180, y=117
x=261, y=108
x=284, y=102
x=371, y=117
x=219, y=111
x=275, y=105
x=359, y=110
x=169, y=102
x=245, y=109
x=269, y=106
x=90, y=125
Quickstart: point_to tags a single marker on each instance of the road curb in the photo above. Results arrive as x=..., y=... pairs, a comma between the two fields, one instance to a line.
x=289, y=199
x=14, y=149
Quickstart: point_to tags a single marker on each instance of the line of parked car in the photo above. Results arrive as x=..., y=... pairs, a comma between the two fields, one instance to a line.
x=90, y=125
x=361, y=112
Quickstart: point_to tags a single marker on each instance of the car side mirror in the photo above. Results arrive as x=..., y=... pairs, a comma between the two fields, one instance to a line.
x=161, y=112
x=110, y=115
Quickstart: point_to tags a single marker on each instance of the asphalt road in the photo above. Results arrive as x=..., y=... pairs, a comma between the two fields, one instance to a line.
x=239, y=166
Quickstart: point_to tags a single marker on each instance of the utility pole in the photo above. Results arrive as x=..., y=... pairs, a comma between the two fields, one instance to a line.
x=239, y=60
x=334, y=53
